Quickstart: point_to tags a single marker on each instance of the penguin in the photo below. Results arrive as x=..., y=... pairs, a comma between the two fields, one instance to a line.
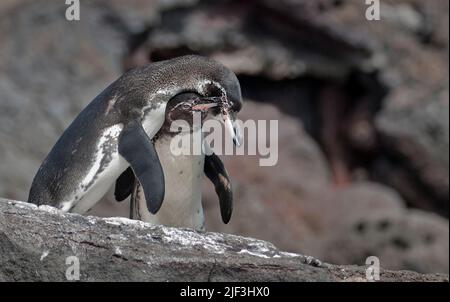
x=182, y=206
x=116, y=129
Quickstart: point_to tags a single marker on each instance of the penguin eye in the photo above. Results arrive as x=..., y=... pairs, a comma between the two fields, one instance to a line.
x=185, y=106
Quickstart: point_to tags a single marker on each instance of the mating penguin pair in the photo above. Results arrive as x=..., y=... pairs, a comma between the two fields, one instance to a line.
x=123, y=136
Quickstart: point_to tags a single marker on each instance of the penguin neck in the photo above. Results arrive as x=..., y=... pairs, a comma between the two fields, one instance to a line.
x=182, y=205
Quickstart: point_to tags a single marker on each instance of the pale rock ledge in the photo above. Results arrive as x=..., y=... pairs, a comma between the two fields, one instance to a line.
x=36, y=241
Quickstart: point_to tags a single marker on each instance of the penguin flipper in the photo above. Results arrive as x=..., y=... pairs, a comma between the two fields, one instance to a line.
x=216, y=172
x=124, y=185
x=137, y=148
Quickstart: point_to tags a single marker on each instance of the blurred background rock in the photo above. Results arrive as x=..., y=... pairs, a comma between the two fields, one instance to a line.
x=362, y=107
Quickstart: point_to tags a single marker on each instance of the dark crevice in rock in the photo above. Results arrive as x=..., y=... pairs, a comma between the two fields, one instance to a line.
x=338, y=114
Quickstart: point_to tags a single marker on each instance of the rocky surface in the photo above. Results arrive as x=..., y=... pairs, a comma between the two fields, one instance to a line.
x=50, y=69
x=35, y=242
x=358, y=103
x=412, y=121
x=378, y=225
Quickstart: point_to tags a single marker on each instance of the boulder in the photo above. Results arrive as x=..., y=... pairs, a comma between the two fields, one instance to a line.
x=35, y=244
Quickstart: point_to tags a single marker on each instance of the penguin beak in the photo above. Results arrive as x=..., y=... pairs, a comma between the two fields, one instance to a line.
x=204, y=107
x=232, y=128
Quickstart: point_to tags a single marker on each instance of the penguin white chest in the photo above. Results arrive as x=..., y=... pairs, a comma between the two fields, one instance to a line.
x=183, y=175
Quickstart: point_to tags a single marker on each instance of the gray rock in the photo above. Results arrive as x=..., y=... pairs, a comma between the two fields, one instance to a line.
x=35, y=242
x=377, y=225
x=284, y=40
x=50, y=69
x=418, y=136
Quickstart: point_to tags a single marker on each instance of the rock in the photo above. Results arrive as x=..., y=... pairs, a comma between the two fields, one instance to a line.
x=419, y=138
x=35, y=242
x=412, y=123
x=417, y=241
x=50, y=69
x=371, y=220
x=264, y=38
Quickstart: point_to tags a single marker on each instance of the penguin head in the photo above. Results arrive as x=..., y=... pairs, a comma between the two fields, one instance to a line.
x=224, y=92
x=216, y=88
x=182, y=106
x=225, y=89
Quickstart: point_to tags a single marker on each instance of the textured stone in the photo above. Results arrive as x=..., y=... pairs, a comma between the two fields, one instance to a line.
x=34, y=244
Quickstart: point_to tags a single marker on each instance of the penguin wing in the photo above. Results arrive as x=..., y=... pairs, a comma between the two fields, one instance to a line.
x=138, y=149
x=216, y=172
x=124, y=185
